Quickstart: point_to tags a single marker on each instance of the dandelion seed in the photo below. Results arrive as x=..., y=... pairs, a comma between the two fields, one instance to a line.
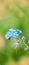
x=15, y=45
x=26, y=49
x=23, y=37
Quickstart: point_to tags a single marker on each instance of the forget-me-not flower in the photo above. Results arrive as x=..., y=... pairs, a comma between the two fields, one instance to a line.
x=28, y=42
x=12, y=33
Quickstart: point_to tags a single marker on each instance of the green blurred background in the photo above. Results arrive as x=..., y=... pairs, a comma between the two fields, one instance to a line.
x=13, y=14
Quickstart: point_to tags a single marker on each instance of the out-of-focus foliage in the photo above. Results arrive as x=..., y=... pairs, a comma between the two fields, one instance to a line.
x=13, y=14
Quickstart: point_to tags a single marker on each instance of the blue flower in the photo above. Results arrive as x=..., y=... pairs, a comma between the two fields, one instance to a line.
x=12, y=33
x=18, y=31
x=28, y=42
x=12, y=30
x=8, y=35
